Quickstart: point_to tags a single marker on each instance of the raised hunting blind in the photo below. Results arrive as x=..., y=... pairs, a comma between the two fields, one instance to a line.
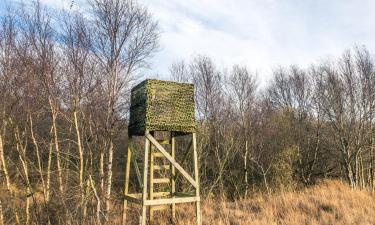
x=160, y=112
x=162, y=106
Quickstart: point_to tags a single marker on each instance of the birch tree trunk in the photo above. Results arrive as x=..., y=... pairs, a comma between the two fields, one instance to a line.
x=1, y=214
x=21, y=149
x=98, y=202
x=101, y=169
x=4, y=164
x=57, y=147
x=39, y=162
x=49, y=164
x=109, y=177
x=246, y=170
x=81, y=164
x=28, y=189
x=372, y=177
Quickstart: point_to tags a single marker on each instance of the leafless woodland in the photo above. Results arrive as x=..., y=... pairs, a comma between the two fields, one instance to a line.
x=65, y=79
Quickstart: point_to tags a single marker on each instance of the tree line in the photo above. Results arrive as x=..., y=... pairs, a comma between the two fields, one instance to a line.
x=65, y=79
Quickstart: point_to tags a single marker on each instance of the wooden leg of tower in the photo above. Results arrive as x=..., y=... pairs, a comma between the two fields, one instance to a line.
x=196, y=170
x=152, y=150
x=145, y=171
x=173, y=174
x=126, y=187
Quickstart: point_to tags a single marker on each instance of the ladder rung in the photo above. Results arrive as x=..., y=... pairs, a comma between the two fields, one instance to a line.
x=164, y=142
x=160, y=194
x=161, y=180
x=158, y=154
x=162, y=167
x=160, y=207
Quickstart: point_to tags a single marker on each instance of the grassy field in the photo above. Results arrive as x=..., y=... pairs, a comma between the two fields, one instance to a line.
x=330, y=202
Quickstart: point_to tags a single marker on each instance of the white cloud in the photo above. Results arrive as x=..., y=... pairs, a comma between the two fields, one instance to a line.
x=261, y=34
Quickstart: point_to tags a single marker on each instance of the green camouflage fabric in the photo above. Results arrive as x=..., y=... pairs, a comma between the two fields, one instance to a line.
x=158, y=105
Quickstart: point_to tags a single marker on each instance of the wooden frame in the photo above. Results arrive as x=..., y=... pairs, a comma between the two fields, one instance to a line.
x=149, y=199
x=173, y=176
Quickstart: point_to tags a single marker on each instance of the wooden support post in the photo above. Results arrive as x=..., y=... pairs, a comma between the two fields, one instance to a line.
x=173, y=174
x=196, y=170
x=133, y=198
x=171, y=201
x=151, y=214
x=126, y=187
x=159, y=200
x=145, y=172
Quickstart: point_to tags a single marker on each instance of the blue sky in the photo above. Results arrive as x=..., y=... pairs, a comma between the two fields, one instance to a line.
x=261, y=34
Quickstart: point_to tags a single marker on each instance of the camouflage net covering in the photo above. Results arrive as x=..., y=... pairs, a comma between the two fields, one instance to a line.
x=162, y=106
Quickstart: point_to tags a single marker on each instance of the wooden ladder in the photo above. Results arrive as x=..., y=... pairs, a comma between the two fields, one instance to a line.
x=166, y=177
x=161, y=198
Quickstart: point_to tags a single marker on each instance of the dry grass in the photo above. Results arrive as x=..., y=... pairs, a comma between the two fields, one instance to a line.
x=330, y=202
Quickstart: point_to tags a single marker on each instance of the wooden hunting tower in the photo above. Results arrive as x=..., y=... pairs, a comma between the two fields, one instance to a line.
x=161, y=107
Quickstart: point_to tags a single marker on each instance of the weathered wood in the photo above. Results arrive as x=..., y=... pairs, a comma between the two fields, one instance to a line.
x=161, y=194
x=196, y=173
x=153, y=195
x=184, y=194
x=155, y=201
x=151, y=214
x=131, y=198
x=170, y=159
x=159, y=207
x=164, y=142
x=136, y=195
x=145, y=171
x=171, y=201
x=164, y=194
x=162, y=167
x=158, y=155
x=126, y=186
x=161, y=181
x=173, y=173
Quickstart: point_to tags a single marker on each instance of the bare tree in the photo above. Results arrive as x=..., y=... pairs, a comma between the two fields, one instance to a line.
x=179, y=71
x=7, y=62
x=125, y=37
x=243, y=88
x=80, y=78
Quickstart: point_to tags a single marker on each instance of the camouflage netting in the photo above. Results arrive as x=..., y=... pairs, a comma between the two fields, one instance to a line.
x=162, y=106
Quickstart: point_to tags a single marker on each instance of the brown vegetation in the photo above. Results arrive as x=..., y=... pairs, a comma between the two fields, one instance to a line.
x=330, y=202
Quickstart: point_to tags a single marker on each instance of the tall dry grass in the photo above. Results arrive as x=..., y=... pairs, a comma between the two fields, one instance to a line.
x=330, y=202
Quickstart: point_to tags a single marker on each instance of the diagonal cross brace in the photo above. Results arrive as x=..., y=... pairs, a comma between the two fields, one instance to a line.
x=171, y=160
